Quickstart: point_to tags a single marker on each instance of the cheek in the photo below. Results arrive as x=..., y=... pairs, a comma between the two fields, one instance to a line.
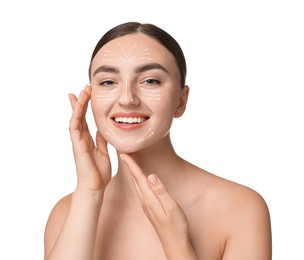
x=100, y=110
x=102, y=100
x=163, y=113
x=167, y=104
x=150, y=95
x=104, y=95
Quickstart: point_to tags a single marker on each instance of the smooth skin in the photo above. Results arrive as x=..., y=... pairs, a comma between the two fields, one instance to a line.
x=157, y=206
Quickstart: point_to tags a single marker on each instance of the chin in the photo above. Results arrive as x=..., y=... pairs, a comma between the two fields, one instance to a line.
x=125, y=148
x=130, y=147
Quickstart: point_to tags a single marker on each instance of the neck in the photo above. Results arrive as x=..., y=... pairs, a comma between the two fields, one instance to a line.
x=159, y=159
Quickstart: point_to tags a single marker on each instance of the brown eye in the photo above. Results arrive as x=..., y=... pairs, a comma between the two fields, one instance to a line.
x=152, y=82
x=107, y=83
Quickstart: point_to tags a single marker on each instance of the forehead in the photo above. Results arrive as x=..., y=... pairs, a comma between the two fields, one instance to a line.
x=138, y=48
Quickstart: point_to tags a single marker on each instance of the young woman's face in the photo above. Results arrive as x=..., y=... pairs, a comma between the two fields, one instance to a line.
x=136, y=92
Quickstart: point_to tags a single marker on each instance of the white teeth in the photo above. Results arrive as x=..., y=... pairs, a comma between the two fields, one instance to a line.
x=129, y=120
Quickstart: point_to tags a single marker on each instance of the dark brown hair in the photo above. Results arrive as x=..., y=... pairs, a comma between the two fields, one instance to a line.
x=151, y=30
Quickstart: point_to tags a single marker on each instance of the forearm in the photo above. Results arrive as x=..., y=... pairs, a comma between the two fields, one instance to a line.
x=77, y=237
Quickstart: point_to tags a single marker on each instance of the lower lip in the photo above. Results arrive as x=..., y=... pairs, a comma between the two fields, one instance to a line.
x=128, y=126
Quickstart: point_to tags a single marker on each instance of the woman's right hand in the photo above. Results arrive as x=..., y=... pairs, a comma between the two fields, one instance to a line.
x=93, y=164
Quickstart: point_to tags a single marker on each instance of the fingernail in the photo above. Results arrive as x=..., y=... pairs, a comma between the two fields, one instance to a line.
x=153, y=179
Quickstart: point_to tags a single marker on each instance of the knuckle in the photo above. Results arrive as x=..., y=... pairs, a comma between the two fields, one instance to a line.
x=148, y=205
x=159, y=190
x=70, y=127
x=172, y=208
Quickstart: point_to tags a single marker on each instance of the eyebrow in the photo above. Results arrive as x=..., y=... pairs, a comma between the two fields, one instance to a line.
x=140, y=69
x=150, y=66
x=106, y=68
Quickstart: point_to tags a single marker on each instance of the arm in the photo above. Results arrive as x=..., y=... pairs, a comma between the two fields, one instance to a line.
x=71, y=228
x=166, y=216
x=72, y=225
x=249, y=228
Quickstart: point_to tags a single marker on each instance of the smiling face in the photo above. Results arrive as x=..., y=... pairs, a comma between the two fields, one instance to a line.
x=136, y=92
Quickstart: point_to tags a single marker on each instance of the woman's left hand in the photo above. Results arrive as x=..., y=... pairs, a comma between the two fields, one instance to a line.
x=164, y=213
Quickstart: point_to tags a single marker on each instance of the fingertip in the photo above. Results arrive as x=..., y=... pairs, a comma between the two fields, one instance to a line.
x=87, y=88
x=71, y=96
x=72, y=99
x=153, y=179
x=157, y=186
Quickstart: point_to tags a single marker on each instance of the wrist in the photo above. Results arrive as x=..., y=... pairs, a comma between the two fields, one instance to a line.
x=95, y=196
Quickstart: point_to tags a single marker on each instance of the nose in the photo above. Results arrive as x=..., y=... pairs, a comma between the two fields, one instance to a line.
x=128, y=95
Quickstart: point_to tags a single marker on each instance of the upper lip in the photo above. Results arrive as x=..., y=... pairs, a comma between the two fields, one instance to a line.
x=132, y=114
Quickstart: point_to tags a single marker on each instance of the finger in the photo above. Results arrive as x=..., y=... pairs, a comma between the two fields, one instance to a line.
x=79, y=107
x=125, y=159
x=83, y=98
x=150, y=202
x=138, y=191
x=73, y=100
x=159, y=189
x=102, y=155
x=74, y=121
x=101, y=143
x=87, y=96
x=76, y=118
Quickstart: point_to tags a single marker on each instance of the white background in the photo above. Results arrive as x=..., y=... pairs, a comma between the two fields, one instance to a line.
x=244, y=120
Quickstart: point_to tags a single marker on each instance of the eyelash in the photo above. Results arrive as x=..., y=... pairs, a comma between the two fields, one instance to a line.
x=149, y=82
x=152, y=82
x=107, y=83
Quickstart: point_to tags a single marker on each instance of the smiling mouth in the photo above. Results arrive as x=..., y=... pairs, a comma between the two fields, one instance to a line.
x=130, y=120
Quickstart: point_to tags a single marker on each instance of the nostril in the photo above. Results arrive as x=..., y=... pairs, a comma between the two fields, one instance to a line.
x=127, y=97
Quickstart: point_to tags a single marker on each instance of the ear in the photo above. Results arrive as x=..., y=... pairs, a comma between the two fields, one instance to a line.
x=182, y=101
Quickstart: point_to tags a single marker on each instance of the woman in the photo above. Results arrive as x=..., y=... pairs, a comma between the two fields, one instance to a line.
x=157, y=206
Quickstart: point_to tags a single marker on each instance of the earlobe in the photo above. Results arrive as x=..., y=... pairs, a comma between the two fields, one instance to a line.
x=182, y=102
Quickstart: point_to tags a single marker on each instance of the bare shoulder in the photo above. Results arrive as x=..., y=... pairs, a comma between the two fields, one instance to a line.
x=55, y=222
x=226, y=194
x=239, y=216
x=235, y=196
